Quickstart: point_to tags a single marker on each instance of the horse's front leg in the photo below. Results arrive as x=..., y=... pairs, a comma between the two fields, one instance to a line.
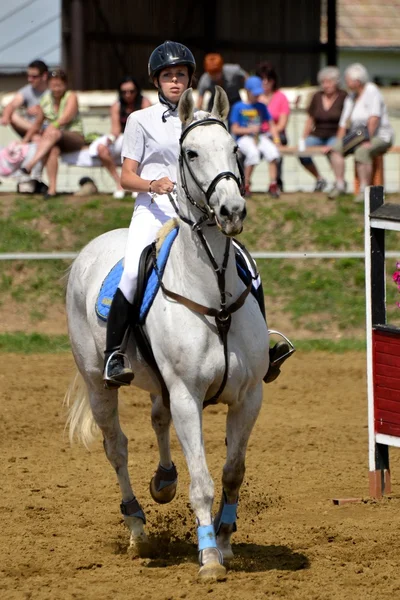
x=165, y=480
x=186, y=412
x=104, y=405
x=240, y=422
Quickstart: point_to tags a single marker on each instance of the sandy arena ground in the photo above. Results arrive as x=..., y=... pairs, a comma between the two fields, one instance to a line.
x=62, y=537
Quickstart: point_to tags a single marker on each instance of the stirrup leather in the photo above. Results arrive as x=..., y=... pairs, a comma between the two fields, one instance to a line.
x=123, y=377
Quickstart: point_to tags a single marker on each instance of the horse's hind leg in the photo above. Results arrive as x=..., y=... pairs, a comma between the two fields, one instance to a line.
x=239, y=425
x=164, y=481
x=186, y=412
x=104, y=405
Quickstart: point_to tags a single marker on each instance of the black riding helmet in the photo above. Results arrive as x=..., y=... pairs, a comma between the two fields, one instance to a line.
x=171, y=54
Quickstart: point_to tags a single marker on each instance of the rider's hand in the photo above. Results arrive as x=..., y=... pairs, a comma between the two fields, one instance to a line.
x=162, y=186
x=5, y=121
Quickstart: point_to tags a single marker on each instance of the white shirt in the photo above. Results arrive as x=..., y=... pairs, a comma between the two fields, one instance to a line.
x=155, y=146
x=370, y=103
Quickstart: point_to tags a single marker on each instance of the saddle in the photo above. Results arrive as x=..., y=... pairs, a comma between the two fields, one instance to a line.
x=151, y=269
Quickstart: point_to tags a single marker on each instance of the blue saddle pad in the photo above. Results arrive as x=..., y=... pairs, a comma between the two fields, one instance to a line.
x=111, y=282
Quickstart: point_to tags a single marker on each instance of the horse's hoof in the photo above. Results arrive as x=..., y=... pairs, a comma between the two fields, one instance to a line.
x=140, y=547
x=212, y=571
x=167, y=493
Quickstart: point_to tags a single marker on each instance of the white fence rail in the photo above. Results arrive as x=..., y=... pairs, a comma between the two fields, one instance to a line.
x=257, y=255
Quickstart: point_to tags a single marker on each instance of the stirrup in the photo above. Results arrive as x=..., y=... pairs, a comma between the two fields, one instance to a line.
x=284, y=349
x=122, y=377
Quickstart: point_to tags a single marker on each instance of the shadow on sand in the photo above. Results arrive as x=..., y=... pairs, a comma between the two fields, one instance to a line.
x=248, y=558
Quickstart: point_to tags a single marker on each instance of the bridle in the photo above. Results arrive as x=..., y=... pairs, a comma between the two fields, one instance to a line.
x=208, y=213
x=223, y=315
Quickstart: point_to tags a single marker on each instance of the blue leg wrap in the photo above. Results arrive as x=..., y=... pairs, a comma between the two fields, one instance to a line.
x=206, y=537
x=227, y=516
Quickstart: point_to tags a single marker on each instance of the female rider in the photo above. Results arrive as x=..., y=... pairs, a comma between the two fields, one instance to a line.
x=150, y=153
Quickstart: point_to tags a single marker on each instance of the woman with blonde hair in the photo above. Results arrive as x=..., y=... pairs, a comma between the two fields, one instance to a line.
x=58, y=116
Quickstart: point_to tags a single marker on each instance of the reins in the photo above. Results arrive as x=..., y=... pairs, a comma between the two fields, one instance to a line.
x=223, y=315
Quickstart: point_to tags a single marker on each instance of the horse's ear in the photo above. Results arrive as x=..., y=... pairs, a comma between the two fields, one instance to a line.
x=220, y=107
x=186, y=107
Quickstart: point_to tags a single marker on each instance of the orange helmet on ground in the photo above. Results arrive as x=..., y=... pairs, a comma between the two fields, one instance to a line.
x=213, y=63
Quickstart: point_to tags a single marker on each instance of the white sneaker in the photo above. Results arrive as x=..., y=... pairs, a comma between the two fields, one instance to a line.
x=119, y=194
x=336, y=191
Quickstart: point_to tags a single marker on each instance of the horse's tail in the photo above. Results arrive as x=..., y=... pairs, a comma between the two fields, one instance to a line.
x=80, y=417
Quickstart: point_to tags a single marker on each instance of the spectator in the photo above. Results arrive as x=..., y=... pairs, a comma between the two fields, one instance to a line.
x=230, y=77
x=61, y=124
x=278, y=106
x=249, y=122
x=323, y=118
x=28, y=97
x=364, y=107
x=109, y=147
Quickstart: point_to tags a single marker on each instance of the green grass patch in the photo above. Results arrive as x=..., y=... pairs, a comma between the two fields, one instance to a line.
x=319, y=296
x=33, y=343
x=335, y=346
x=37, y=343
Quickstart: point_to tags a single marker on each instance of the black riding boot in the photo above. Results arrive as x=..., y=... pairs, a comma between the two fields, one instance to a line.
x=116, y=373
x=278, y=353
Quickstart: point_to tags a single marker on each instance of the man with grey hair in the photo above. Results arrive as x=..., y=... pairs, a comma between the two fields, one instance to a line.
x=365, y=109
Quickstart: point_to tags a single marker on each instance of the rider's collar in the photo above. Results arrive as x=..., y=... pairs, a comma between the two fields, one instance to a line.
x=170, y=107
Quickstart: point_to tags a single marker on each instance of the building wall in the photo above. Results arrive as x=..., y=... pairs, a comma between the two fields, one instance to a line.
x=383, y=66
x=120, y=35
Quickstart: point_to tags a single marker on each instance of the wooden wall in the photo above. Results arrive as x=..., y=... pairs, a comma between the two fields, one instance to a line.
x=119, y=35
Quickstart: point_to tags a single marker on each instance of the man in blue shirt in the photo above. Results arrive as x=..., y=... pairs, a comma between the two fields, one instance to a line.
x=249, y=122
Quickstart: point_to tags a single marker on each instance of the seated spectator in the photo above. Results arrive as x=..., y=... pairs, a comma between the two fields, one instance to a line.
x=109, y=148
x=61, y=123
x=364, y=107
x=323, y=118
x=28, y=98
x=249, y=121
x=278, y=106
x=230, y=77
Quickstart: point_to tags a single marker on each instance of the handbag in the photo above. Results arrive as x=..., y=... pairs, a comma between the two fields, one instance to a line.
x=12, y=157
x=354, y=138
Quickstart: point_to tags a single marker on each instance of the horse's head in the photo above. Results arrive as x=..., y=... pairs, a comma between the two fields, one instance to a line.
x=209, y=172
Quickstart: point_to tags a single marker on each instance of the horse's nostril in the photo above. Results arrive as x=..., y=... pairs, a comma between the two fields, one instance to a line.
x=224, y=211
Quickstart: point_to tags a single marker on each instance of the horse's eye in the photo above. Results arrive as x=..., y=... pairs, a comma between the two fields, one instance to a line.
x=236, y=148
x=191, y=154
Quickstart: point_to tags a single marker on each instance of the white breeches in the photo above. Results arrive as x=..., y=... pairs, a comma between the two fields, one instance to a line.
x=145, y=224
x=251, y=149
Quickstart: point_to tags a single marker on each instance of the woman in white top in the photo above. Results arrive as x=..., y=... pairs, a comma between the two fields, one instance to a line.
x=364, y=107
x=150, y=154
x=150, y=157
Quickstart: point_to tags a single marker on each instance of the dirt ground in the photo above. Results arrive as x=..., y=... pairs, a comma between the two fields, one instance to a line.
x=62, y=537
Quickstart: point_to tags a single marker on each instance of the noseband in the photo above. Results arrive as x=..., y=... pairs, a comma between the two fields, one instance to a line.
x=183, y=162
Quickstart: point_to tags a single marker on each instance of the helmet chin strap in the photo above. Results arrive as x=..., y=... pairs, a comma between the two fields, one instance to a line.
x=170, y=106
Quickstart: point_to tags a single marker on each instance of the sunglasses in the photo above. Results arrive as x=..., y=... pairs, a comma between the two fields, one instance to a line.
x=131, y=91
x=58, y=74
x=30, y=76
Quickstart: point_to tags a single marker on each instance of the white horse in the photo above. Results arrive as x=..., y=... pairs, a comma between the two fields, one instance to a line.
x=188, y=346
